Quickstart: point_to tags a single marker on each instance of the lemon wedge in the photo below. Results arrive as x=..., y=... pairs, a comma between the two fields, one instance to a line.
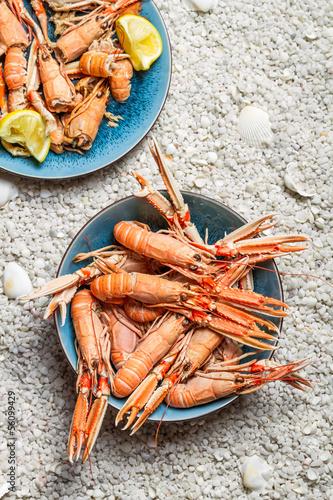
x=26, y=128
x=140, y=40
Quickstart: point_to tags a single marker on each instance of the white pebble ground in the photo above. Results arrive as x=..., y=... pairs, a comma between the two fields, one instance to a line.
x=276, y=56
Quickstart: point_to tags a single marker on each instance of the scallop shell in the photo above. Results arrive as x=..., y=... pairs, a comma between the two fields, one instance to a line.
x=202, y=5
x=8, y=191
x=254, y=126
x=16, y=281
x=295, y=186
x=255, y=473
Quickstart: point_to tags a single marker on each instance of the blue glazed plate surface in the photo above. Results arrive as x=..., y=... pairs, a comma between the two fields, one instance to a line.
x=140, y=111
x=205, y=212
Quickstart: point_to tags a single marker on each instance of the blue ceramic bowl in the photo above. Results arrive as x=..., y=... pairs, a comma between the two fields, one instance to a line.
x=148, y=94
x=205, y=213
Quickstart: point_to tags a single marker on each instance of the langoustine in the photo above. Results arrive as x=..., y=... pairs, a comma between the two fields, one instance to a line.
x=232, y=378
x=94, y=370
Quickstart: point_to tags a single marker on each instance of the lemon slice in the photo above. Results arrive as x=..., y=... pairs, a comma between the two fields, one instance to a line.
x=26, y=128
x=140, y=40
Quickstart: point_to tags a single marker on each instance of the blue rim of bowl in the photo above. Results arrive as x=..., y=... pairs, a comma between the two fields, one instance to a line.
x=56, y=316
x=144, y=134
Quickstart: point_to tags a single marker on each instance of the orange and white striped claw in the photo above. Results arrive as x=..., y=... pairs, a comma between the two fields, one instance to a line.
x=250, y=229
x=154, y=401
x=61, y=299
x=258, y=246
x=154, y=197
x=145, y=390
x=96, y=414
x=253, y=301
x=181, y=209
x=138, y=399
x=78, y=427
x=54, y=286
x=64, y=289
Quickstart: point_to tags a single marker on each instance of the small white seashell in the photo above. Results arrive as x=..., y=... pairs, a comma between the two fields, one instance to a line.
x=301, y=216
x=202, y=5
x=255, y=473
x=200, y=182
x=293, y=185
x=297, y=489
x=320, y=223
x=286, y=75
x=254, y=126
x=56, y=467
x=8, y=191
x=317, y=242
x=310, y=34
x=16, y=281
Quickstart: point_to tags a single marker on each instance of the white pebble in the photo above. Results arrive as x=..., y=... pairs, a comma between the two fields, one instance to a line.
x=37, y=433
x=284, y=57
x=126, y=447
x=25, y=252
x=171, y=149
x=16, y=281
x=205, y=121
x=311, y=302
x=212, y=157
x=325, y=456
x=152, y=492
x=98, y=493
x=312, y=475
x=45, y=193
x=10, y=226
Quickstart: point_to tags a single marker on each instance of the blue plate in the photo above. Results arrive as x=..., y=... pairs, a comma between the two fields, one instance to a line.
x=205, y=213
x=140, y=111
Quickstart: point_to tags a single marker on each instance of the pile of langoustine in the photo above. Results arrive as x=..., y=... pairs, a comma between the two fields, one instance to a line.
x=162, y=318
x=73, y=114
